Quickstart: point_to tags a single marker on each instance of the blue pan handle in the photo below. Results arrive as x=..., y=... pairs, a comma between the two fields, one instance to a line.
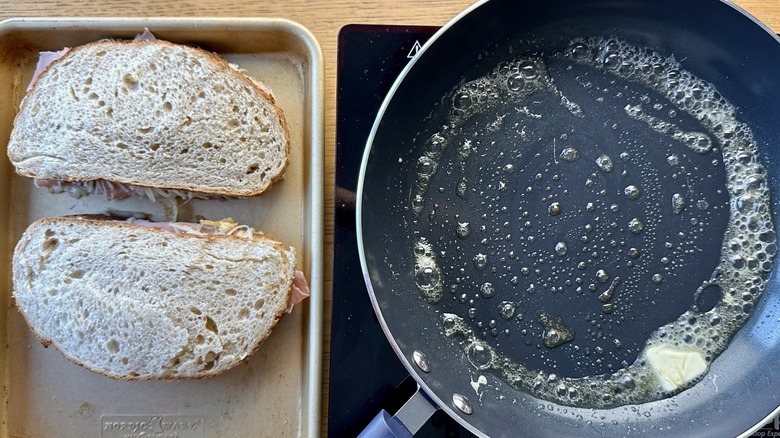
x=406, y=422
x=385, y=425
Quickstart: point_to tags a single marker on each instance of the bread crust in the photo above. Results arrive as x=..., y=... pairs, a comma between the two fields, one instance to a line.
x=98, y=221
x=183, y=185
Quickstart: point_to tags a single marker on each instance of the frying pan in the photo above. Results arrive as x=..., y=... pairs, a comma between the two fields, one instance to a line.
x=520, y=217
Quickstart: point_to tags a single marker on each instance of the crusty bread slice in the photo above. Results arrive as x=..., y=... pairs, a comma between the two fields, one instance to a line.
x=151, y=114
x=134, y=302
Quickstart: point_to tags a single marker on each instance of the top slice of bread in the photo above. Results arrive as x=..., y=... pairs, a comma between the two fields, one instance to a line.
x=134, y=302
x=151, y=114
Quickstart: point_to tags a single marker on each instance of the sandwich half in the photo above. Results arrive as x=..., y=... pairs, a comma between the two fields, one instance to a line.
x=149, y=117
x=143, y=300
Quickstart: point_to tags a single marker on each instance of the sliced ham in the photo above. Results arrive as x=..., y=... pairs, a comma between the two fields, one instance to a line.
x=300, y=290
x=44, y=59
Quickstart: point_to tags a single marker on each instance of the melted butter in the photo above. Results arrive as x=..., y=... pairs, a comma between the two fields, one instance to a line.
x=678, y=354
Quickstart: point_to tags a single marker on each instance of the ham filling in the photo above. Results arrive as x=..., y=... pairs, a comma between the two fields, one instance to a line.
x=44, y=59
x=114, y=190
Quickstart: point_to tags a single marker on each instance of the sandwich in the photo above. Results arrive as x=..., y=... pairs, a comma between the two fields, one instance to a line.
x=148, y=117
x=133, y=299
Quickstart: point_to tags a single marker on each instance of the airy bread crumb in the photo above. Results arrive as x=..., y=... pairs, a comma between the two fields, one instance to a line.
x=151, y=114
x=134, y=302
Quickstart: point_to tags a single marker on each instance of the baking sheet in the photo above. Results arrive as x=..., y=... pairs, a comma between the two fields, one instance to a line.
x=277, y=392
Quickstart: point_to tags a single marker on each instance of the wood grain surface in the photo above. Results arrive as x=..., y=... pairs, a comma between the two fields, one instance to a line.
x=323, y=19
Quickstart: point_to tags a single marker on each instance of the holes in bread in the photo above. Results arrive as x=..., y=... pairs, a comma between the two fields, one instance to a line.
x=101, y=53
x=112, y=346
x=254, y=167
x=130, y=81
x=144, y=129
x=92, y=96
x=121, y=145
x=233, y=123
x=167, y=106
x=259, y=304
x=154, y=147
x=211, y=325
x=72, y=93
x=195, y=310
x=79, y=273
x=206, y=145
x=88, y=80
x=49, y=245
x=184, y=151
x=200, y=339
x=211, y=360
x=243, y=313
x=231, y=292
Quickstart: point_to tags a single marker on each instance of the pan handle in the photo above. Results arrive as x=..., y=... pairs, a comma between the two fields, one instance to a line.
x=385, y=426
x=406, y=422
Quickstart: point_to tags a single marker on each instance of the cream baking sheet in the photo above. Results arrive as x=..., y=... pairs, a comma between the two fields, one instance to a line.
x=277, y=392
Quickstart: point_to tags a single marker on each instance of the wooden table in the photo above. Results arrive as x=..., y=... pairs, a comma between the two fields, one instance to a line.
x=323, y=19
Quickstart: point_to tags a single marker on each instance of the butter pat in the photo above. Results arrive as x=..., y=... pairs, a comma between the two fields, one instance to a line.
x=675, y=367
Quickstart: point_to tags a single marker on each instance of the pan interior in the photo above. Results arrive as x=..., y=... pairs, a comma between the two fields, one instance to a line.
x=570, y=216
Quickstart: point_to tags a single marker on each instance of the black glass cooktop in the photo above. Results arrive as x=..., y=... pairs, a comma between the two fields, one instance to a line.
x=365, y=374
